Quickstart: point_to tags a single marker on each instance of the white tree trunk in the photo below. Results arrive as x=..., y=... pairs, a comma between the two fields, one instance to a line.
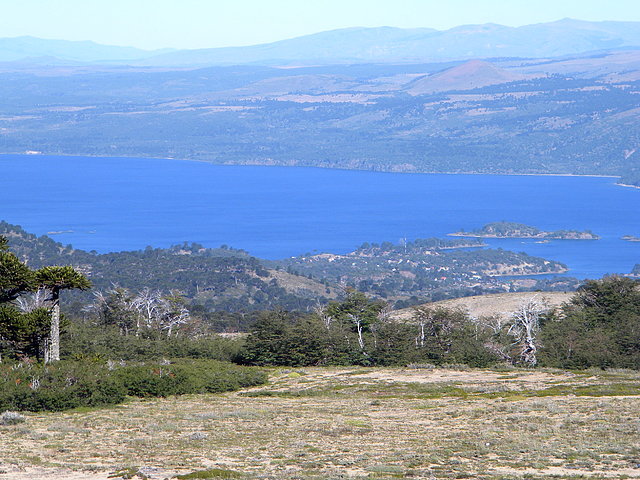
x=52, y=346
x=360, y=339
x=525, y=327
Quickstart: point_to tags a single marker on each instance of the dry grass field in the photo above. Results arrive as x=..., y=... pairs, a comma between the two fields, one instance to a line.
x=501, y=304
x=337, y=423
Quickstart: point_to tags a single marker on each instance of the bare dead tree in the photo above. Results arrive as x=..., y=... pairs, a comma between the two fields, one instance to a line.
x=323, y=314
x=358, y=322
x=422, y=316
x=29, y=302
x=499, y=351
x=147, y=304
x=96, y=308
x=525, y=327
x=114, y=307
x=148, y=309
x=158, y=312
x=385, y=313
x=173, y=318
x=496, y=323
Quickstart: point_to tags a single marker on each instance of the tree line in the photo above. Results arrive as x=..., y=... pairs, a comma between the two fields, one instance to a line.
x=599, y=327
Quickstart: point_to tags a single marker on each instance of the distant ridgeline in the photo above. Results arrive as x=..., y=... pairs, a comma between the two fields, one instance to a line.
x=227, y=279
x=520, y=230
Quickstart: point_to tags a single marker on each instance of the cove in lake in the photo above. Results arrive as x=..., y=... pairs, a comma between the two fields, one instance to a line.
x=113, y=204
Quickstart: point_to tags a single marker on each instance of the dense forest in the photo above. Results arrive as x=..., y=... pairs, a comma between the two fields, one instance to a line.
x=229, y=280
x=215, y=279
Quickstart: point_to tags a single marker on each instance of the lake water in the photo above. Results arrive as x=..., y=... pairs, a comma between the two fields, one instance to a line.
x=112, y=204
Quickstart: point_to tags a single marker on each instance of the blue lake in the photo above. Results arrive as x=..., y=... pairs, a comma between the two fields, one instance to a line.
x=112, y=204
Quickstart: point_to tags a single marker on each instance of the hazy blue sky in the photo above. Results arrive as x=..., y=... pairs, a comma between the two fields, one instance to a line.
x=216, y=23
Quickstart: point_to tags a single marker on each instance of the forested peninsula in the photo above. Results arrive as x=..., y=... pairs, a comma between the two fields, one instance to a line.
x=520, y=230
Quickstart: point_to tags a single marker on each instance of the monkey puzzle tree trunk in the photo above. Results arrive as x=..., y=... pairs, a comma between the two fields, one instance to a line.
x=52, y=344
x=55, y=279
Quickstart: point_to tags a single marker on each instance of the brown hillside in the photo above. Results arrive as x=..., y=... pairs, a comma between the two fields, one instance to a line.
x=469, y=75
x=502, y=304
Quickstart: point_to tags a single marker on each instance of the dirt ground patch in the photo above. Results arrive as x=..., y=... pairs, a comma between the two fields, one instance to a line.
x=530, y=379
x=329, y=423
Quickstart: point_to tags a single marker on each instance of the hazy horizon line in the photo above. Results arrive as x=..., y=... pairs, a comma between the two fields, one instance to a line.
x=355, y=27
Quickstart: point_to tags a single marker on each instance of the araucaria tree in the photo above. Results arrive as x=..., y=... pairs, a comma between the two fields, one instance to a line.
x=32, y=328
x=55, y=279
x=15, y=279
x=20, y=332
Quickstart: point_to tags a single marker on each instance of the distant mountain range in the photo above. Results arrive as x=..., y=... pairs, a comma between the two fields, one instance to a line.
x=352, y=45
x=354, y=98
x=38, y=50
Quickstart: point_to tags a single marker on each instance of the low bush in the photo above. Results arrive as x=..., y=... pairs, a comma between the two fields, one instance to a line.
x=186, y=376
x=11, y=418
x=61, y=386
x=71, y=384
x=85, y=341
x=212, y=473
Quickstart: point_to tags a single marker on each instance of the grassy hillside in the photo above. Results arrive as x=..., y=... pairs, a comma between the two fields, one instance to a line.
x=501, y=304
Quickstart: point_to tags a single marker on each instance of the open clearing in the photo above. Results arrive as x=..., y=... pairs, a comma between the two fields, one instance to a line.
x=330, y=423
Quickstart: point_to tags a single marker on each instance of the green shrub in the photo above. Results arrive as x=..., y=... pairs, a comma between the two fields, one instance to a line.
x=212, y=473
x=71, y=384
x=83, y=341
x=59, y=386
x=600, y=327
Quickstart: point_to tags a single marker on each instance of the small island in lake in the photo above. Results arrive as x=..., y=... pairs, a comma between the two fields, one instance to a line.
x=520, y=230
x=631, y=238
